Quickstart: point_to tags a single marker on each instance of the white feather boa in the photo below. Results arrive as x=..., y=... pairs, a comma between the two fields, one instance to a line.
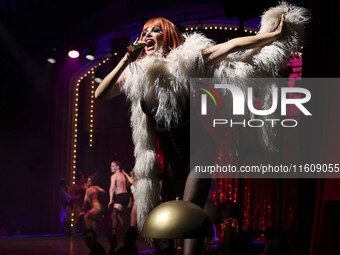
x=163, y=84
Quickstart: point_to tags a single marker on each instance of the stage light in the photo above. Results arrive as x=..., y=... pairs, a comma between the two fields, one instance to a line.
x=91, y=51
x=51, y=60
x=99, y=75
x=51, y=57
x=73, y=54
x=98, y=80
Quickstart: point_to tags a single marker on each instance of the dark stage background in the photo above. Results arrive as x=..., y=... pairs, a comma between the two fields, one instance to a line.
x=36, y=117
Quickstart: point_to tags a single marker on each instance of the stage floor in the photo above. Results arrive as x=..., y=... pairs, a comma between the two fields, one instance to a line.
x=56, y=245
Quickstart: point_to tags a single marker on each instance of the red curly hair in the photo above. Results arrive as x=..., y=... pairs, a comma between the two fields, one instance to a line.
x=172, y=36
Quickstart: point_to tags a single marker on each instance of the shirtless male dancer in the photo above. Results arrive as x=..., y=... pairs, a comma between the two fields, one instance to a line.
x=117, y=188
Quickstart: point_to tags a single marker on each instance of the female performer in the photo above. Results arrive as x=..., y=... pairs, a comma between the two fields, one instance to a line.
x=78, y=192
x=66, y=209
x=160, y=64
x=91, y=196
x=132, y=180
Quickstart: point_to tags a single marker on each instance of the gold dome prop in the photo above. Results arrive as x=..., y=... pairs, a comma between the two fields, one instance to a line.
x=177, y=219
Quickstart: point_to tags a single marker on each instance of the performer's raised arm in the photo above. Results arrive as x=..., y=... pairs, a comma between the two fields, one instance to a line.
x=128, y=177
x=86, y=197
x=109, y=87
x=100, y=189
x=218, y=52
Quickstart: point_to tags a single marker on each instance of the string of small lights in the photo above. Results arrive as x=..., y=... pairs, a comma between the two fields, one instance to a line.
x=221, y=28
x=75, y=138
x=91, y=108
x=75, y=130
x=91, y=119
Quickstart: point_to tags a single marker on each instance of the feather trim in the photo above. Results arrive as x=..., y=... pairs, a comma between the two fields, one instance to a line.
x=269, y=60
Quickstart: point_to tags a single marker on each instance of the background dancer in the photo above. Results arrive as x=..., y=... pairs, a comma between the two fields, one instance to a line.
x=133, y=181
x=66, y=207
x=91, y=197
x=78, y=192
x=119, y=197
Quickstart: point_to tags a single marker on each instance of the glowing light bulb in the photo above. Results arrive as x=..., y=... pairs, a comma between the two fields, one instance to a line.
x=73, y=54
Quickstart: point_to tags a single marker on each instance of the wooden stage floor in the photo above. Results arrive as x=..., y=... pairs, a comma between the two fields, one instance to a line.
x=56, y=245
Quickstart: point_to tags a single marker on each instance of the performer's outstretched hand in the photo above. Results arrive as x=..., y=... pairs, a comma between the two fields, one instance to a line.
x=278, y=30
